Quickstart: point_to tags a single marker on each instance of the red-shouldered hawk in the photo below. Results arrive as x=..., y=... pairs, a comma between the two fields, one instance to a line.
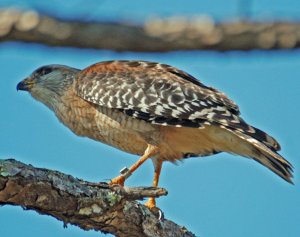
x=152, y=110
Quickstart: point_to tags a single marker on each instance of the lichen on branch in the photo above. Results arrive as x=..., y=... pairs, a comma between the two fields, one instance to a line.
x=97, y=206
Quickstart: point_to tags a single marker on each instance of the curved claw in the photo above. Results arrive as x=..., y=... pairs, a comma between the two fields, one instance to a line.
x=154, y=209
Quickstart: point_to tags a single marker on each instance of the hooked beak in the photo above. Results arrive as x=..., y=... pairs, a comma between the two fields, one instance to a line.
x=24, y=85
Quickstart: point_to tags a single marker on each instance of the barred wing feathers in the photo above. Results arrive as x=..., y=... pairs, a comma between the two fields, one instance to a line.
x=161, y=94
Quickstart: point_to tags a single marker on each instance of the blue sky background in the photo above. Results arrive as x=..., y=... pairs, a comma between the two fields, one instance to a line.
x=217, y=196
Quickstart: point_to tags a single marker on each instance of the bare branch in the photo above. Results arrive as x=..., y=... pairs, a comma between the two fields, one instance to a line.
x=110, y=209
x=156, y=35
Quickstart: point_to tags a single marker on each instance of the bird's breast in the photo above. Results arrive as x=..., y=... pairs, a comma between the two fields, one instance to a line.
x=102, y=124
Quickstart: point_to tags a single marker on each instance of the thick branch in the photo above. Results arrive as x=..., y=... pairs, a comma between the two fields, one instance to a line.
x=156, y=35
x=110, y=209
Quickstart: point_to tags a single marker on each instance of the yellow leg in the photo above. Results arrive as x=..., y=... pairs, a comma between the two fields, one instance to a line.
x=151, y=201
x=150, y=151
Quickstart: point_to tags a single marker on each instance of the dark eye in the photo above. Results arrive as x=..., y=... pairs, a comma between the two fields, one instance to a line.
x=43, y=70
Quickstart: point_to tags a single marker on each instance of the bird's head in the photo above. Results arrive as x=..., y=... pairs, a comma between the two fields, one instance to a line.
x=48, y=83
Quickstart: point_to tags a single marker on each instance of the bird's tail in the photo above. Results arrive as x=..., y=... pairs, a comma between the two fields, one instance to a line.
x=264, y=153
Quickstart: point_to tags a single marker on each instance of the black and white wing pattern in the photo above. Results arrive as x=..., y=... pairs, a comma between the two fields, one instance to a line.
x=161, y=94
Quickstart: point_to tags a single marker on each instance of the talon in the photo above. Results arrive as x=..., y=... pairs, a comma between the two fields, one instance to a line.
x=154, y=209
x=118, y=180
x=161, y=216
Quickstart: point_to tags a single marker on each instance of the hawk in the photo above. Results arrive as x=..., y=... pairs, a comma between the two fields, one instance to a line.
x=152, y=110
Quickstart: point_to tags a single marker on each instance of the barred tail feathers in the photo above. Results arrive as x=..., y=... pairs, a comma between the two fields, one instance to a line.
x=238, y=124
x=265, y=138
x=265, y=155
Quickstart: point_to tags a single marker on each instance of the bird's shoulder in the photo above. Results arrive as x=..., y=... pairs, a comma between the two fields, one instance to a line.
x=145, y=74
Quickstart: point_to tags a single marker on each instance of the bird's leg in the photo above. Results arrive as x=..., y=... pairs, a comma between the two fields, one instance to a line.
x=151, y=201
x=149, y=152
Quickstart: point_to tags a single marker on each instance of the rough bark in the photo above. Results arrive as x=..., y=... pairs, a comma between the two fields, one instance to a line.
x=156, y=35
x=110, y=209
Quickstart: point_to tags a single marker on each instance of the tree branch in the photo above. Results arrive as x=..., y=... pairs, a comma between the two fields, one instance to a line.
x=157, y=35
x=110, y=209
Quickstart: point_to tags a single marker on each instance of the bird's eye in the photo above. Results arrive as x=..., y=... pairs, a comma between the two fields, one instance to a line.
x=43, y=71
x=47, y=70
